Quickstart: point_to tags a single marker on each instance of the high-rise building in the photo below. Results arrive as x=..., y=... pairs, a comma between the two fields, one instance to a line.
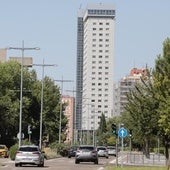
x=68, y=112
x=95, y=49
x=123, y=87
x=2, y=55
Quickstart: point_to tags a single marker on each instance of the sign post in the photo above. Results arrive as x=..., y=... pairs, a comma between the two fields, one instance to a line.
x=122, y=133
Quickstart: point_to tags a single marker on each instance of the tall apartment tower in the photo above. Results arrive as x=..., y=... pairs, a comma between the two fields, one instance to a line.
x=95, y=49
x=125, y=85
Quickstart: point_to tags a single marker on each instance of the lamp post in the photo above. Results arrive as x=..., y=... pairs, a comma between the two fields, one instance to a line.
x=62, y=81
x=21, y=84
x=42, y=98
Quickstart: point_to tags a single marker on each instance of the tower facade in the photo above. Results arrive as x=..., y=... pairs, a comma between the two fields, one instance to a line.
x=95, y=49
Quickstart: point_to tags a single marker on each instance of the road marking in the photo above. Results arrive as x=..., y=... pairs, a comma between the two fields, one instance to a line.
x=101, y=168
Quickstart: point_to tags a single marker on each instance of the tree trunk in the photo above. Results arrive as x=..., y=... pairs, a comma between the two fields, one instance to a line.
x=167, y=151
x=146, y=148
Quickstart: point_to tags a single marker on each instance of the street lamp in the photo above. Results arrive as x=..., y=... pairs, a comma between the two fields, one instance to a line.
x=21, y=84
x=42, y=94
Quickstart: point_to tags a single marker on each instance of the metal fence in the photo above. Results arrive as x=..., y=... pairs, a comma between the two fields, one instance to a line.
x=141, y=159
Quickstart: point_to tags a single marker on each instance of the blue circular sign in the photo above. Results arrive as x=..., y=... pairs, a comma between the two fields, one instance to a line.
x=122, y=132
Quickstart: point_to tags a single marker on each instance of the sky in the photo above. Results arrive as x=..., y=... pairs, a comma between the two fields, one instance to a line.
x=141, y=27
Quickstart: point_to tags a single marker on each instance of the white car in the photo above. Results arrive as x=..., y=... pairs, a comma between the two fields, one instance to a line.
x=29, y=154
x=111, y=150
x=102, y=151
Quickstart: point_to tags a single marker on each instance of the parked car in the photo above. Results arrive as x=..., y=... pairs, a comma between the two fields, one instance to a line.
x=29, y=154
x=86, y=153
x=102, y=151
x=111, y=150
x=72, y=151
x=3, y=151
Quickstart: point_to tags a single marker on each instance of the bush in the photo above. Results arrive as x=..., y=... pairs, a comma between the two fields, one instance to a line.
x=61, y=149
x=12, y=151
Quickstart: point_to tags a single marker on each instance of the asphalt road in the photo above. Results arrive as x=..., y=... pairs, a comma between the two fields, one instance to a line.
x=59, y=164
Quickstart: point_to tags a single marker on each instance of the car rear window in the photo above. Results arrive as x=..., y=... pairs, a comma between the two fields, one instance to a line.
x=101, y=149
x=87, y=148
x=74, y=147
x=28, y=149
x=2, y=147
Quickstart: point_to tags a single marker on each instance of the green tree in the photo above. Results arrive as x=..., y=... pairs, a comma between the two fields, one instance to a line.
x=101, y=131
x=140, y=112
x=161, y=75
x=10, y=76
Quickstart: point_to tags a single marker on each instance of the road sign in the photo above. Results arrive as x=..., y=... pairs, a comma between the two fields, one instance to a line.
x=18, y=135
x=122, y=132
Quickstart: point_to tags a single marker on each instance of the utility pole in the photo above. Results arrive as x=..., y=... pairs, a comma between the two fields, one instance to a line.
x=42, y=98
x=61, y=93
x=21, y=85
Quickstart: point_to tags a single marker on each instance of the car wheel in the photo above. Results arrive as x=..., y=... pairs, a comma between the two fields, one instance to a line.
x=96, y=161
x=107, y=157
x=77, y=162
x=16, y=165
x=69, y=156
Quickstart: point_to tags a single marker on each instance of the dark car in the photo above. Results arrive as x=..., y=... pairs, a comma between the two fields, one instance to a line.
x=72, y=151
x=86, y=153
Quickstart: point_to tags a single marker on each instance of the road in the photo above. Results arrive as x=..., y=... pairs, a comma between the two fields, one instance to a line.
x=59, y=164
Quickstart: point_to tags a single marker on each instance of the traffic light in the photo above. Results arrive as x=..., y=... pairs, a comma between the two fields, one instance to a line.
x=114, y=129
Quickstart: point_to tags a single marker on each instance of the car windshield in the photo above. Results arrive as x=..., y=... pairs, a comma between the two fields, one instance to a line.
x=28, y=149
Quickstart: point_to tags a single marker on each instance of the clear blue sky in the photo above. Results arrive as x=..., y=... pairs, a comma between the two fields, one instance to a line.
x=141, y=26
